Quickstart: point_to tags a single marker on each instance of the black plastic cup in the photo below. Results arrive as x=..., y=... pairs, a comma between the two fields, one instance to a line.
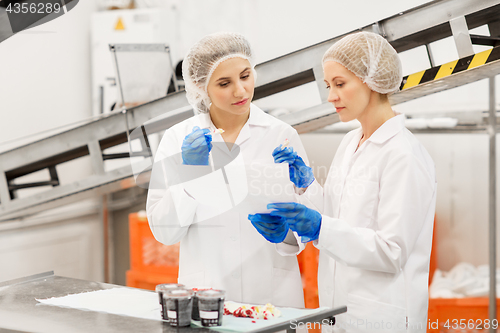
x=179, y=303
x=211, y=306
x=196, y=312
x=161, y=289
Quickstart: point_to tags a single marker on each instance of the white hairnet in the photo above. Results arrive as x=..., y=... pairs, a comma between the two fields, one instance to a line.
x=371, y=58
x=202, y=60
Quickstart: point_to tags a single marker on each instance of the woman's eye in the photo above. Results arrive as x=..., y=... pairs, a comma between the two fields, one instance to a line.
x=327, y=87
x=340, y=85
x=245, y=77
x=224, y=84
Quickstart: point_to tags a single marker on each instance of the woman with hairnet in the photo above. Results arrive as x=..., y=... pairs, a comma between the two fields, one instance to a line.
x=219, y=247
x=374, y=220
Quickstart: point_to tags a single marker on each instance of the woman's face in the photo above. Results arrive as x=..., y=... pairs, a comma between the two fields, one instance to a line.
x=347, y=92
x=231, y=87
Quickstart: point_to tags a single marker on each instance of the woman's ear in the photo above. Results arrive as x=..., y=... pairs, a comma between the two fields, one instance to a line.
x=375, y=96
x=383, y=97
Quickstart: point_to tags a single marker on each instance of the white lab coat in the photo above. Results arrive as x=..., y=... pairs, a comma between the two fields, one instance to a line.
x=222, y=249
x=375, y=240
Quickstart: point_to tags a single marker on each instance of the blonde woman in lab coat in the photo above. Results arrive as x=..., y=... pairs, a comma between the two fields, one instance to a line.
x=373, y=224
x=219, y=246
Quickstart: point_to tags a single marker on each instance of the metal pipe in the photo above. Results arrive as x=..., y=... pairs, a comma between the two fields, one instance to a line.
x=101, y=99
x=430, y=55
x=112, y=48
x=105, y=234
x=492, y=201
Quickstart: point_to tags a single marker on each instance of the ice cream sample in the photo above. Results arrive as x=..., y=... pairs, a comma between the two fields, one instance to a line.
x=265, y=312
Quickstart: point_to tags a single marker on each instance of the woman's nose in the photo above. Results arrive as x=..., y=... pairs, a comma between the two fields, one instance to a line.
x=332, y=96
x=239, y=89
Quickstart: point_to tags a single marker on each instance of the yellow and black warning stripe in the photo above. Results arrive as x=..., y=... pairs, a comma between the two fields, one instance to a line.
x=453, y=67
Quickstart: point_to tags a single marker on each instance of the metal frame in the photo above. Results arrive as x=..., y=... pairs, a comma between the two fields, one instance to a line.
x=492, y=131
x=141, y=48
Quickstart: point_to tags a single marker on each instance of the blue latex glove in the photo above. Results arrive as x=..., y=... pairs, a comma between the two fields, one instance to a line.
x=273, y=228
x=304, y=221
x=196, y=147
x=300, y=174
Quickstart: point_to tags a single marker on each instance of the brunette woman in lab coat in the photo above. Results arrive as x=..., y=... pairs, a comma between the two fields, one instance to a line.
x=219, y=246
x=374, y=220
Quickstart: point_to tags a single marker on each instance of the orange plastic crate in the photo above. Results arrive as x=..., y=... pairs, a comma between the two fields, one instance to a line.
x=471, y=311
x=308, y=263
x=148, y=281
x=151, y=262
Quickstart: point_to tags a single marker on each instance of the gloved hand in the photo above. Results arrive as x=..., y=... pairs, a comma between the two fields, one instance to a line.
x=304, y=221
x=196, y=147
x=273, y=228
x=300, y=174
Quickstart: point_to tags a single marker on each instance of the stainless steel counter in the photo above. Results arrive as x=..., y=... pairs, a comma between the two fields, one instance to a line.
x=19, y=311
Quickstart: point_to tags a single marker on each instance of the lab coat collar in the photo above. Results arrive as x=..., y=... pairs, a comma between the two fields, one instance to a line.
x=257, y=118
x=206, y=121
x=388, y=129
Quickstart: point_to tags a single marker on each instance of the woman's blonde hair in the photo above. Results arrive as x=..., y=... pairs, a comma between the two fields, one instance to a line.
x=202, y=60
x=371, y=58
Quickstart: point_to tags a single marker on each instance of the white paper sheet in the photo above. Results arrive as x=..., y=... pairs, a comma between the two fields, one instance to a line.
x=265, y=183
x=120, y=301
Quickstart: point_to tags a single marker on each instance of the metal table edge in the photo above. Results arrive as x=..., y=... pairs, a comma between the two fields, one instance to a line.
x=25, y=279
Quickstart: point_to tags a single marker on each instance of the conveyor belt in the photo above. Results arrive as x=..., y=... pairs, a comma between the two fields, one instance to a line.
x=450, y=75
x=447, y=76
x=416, y=27
x=87, y=140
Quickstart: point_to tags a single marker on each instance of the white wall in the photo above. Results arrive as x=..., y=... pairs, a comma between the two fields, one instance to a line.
x=45, y=84
x=44, y=79
x=277, y=27
x=298, y=24
x=68, y=244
